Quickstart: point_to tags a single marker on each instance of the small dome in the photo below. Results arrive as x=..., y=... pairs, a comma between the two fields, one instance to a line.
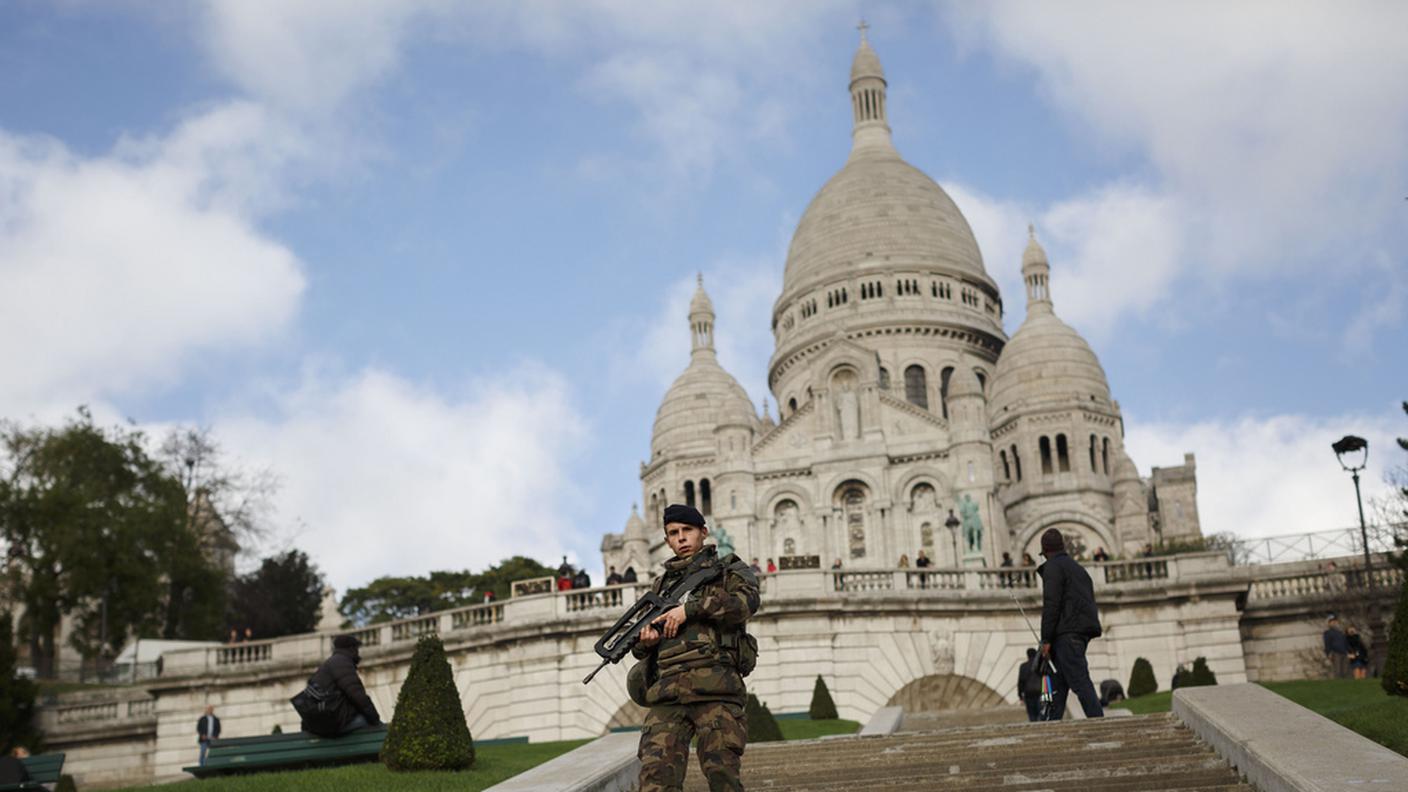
x=1124, y=467
x=1046, y=361
x=866, y=63
x=701, y=303
x=703, y=398
x=635, y=526
x=964, y=383
x=1035, y=254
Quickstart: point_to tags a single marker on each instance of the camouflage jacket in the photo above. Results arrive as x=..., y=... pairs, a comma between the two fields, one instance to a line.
x=697, y=665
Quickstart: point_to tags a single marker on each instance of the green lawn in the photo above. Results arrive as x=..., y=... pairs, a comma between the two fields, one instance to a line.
x=811, y=729
x=493, y=763
x=1358, y=704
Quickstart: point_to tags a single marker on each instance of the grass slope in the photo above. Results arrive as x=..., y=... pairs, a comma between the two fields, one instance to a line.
x=1360, y=705
x=811, y=729
x=493, y=763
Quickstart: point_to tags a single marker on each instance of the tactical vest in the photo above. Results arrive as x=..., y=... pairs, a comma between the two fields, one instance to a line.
x=702, y=643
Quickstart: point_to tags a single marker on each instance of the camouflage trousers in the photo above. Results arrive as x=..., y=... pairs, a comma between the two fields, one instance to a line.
x=664, y=745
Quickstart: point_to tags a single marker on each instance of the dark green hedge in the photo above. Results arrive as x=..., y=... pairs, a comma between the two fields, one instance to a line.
x=762, y=726
x=428, y=731
x=822, y=708
x=1141, y=679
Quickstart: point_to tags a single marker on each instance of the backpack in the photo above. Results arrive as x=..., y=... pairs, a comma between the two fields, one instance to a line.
x=319, y=705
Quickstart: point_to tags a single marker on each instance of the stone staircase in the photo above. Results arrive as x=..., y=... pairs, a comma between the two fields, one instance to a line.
x=1151, y=752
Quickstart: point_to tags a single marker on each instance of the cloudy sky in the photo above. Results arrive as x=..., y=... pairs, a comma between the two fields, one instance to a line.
x=429, y=261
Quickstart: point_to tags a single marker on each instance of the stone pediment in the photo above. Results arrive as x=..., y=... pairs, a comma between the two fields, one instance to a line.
x=789, y=437
x=900, y=418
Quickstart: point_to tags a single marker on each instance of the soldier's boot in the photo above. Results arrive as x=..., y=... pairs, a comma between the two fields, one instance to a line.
x=723, y=734
x=664, y=749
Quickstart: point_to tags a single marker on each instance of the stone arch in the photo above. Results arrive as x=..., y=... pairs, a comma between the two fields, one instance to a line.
x=938, y=692
x=831, y=491
x=783, y=492
x=629, y=715
x=1029, y=537
x=924, y=474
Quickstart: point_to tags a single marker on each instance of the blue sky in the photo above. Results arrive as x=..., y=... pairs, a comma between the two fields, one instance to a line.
x=429, y=261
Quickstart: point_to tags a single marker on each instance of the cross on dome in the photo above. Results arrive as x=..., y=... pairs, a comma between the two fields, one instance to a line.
x=862, y=27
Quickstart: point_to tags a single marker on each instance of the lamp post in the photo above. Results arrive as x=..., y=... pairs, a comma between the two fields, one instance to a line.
x=1353, y=453
x=952, y=524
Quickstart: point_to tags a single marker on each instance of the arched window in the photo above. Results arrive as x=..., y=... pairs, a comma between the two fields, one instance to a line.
x=1006, y=468
x=706, y=505
x=1105, y=456
x=982, y=380
x=922, y=498
x=1093, y=469
x=884, y=378
x=654, y=511
x=1016, y=463
x=1045, y=446
x=944, y=377
x=853, y=503
x=689, y=493
x=916, y=387
x=1063, y=455
x=791, y=405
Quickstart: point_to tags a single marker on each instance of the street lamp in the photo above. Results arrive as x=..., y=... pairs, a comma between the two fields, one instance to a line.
x=1353, y=453
x=952, y=524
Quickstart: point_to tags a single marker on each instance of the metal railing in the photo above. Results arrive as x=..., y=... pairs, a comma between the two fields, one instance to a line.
x=1312, y=546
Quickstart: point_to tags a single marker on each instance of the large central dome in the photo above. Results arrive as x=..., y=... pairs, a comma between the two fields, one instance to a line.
x=879, y=211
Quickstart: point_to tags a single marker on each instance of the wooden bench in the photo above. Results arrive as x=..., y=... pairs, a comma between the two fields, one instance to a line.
x=289, y=752
x=43, y=769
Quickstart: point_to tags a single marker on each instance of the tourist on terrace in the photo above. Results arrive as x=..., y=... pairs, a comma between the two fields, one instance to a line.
x=836, y=564
x=771, y=566
x=207, y=731
x=339, y=672
x=1358, y=653
x=904, y=560
x=1027, y=560
x=757, y=568
x=1336, y=649
x=613, y=578
x=582, y=580
x=1069, y=621
x=1100, y=555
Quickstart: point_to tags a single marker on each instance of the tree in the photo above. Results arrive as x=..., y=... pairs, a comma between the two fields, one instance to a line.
x=822, y=707
x=70, y=490
x=762, y=726
x=388, y=598
x=1395, y=674
x=1201, y=675
x=429, y=731
x=282, y=597
x=1141, y=679
x=16, y=697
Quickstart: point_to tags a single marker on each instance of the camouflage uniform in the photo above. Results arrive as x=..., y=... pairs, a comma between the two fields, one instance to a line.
x=696, y=688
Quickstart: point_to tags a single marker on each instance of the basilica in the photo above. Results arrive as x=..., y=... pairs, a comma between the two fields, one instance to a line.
x=908, y=422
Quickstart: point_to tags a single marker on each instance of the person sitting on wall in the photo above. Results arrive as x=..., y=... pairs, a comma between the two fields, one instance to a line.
x=338, y=674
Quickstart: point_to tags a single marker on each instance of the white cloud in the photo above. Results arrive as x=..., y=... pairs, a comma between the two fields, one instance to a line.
x=1277, y=133
x=390, y=477
x=114, y=269
x=1273, y=475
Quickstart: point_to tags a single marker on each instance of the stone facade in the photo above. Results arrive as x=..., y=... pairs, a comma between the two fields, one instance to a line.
x=908, y=420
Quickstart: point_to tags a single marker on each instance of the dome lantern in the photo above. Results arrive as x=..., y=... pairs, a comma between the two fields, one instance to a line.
x=701, y=320
x=1036, y=273
x=871, y=130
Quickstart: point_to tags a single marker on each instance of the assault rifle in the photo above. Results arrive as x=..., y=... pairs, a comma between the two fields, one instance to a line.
x=625, y=633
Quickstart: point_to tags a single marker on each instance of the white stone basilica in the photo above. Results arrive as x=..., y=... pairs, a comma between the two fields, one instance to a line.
x=908, y=419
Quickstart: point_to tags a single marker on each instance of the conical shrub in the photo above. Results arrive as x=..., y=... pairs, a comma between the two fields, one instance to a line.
x=66, y=784
x=428, y=731
x=822, y=708
x=1201, y=674
x=762, y=726
x=1395, y=678
x=1141, y=679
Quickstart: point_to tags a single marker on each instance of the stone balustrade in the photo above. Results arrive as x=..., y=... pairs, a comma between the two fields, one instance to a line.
x=101, y=709
x=1319, y=582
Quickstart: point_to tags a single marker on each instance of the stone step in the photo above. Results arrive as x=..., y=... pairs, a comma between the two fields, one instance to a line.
x=1103, y=755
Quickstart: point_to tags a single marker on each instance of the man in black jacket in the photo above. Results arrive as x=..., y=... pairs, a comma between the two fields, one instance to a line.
x=1069, y=620
x=207, y=731
x=339, y=672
